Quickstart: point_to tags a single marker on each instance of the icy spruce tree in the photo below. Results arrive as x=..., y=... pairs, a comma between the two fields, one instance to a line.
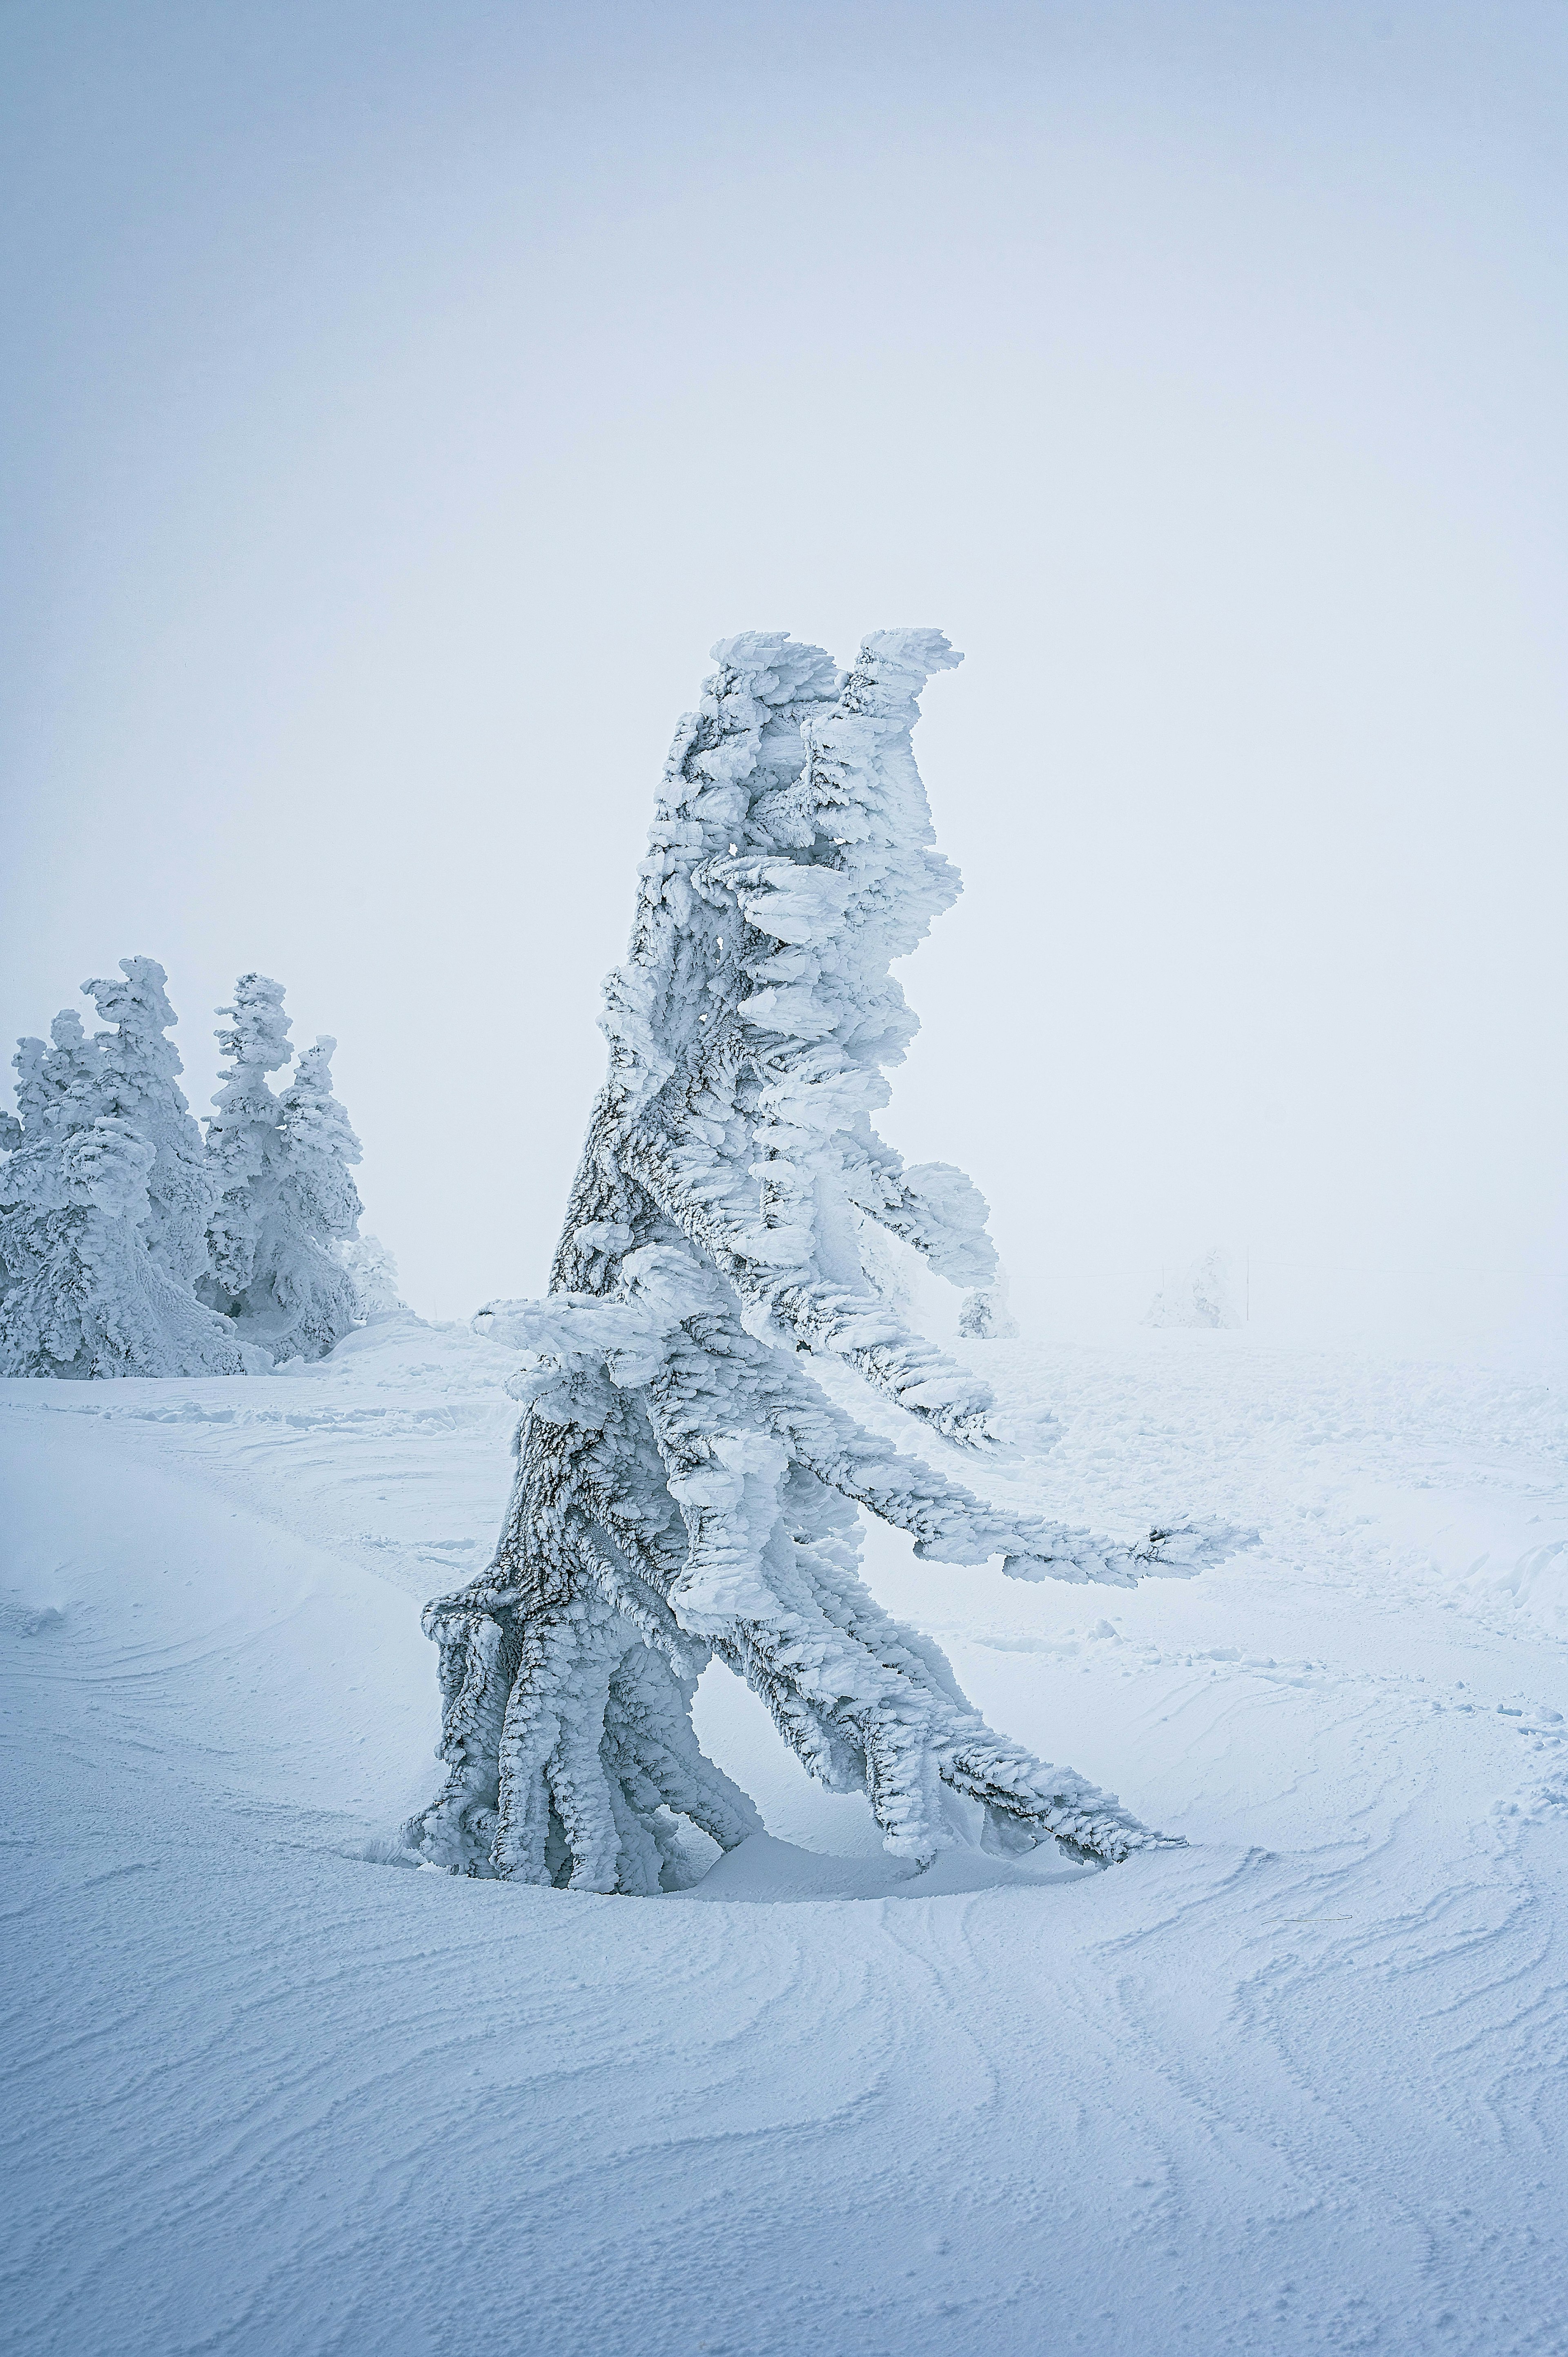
x=372, y=1272
x=686, y=1486
x=85, y=1230
x=987, y=1315
x=323, y=1206
x=244, y=1146
x=286, y=1197
x=56, y=1091
x=1204, y=1295
x=139, y=1083
x=10, y=1139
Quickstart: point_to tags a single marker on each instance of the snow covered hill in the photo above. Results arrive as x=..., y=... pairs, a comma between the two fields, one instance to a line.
x=1299, y=2086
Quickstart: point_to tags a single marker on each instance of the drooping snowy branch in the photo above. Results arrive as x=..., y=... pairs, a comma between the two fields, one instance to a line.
x=685, y=1487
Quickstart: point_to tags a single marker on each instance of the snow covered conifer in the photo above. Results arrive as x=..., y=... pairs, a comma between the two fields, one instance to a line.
x=321, y=1207
x=287, y=1196
x=242, y=1142
x=372, y=1272
x=84, y=1295
x=1204, y=1295
x=58, y=1087
x=694, y=1447
x=138, y=1083
x=319, y=1148
x=987, y=1315
x=42, y=1084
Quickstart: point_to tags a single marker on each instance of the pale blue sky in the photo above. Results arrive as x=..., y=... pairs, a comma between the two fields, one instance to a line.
x=397, y=402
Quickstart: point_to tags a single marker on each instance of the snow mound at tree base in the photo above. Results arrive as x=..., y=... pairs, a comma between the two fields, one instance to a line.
x=766, y=1871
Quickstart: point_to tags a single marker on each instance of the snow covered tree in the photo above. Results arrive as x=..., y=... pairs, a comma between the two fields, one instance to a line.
x=372, y=1272
x=319, y=1148
x=695, y=1443
x=321, y=1205
x=244, y=1146
x=58, y=1087
x=1204, y=1295
x=54, y=1091
x=286, y=1195
x=10, y=1139
x=84, y=1292
x=138, y=1083
x=987, y=1314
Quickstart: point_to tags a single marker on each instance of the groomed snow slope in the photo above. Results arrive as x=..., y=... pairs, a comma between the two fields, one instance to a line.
x=1300, y=2086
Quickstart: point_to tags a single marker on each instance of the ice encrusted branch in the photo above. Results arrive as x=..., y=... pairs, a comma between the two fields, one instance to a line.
x=685, y=1486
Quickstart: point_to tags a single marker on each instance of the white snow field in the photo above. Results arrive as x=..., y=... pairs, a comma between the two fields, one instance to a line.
x=1297, y=2086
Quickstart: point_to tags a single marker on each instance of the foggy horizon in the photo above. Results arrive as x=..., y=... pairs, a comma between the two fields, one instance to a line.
x=398, y=408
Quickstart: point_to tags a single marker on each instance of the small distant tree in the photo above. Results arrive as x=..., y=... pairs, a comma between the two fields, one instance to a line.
x=372, y=1272
x=54, y=1091
x=320, y=1207
x=987, y=1313
x=10, y=1140
x=1204, y=1295
x=139, y=1082
x=244, y=1146
x=286, y=1195
x=59, y=1086
x=84, y=1292
x=686, y=1486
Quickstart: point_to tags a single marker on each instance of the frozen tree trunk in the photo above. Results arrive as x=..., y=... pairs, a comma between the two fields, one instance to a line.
x=685, y=1487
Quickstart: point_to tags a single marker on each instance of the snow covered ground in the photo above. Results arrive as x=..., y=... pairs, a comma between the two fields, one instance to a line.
x=1299, y=2086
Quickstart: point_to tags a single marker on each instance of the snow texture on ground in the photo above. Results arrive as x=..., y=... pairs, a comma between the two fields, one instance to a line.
x=1299, y=2086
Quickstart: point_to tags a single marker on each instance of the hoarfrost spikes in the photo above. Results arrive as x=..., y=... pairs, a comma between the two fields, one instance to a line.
x=685, y=1487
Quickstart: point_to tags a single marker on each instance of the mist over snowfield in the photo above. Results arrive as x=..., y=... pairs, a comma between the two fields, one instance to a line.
x=403, y=402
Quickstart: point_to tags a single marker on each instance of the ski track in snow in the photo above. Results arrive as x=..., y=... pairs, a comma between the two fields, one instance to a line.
x=1297, y=2087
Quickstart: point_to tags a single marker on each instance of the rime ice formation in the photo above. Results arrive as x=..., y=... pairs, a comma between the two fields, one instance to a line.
x=130, y=1247
x=243, y=1139
x=1203, y=1296
x=986, y=1315
x=286, y=1197
x=372, y=1272
x=685, y=1488
x=102, y=1201
x=139, y=1083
